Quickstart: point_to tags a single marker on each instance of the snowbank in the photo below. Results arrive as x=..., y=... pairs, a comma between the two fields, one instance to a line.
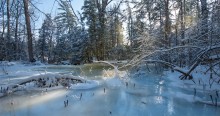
x=200, y=89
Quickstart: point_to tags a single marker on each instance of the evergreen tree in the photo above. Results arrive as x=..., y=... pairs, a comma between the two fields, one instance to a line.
x=95, y=14
x=114, y=36
x=45, y=42
x=90, y=15
x=65, y=23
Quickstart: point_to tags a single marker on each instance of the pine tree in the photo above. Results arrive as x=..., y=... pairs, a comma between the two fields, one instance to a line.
x=65, y=25
x=90, y=15
x=95, y=14
x=45, y=42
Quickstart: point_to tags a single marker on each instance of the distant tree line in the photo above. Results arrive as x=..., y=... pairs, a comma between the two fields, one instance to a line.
x=97, y=33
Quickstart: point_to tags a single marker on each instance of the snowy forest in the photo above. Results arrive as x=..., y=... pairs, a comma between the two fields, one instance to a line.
x=178, y=38
x=175, y=31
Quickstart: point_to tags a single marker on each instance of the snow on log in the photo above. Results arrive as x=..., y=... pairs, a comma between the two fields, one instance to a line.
x=44, y=81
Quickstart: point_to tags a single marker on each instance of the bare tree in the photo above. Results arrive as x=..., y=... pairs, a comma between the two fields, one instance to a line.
x=29, y=34
x=16, y=27
x=8, y=29
x=8, y=19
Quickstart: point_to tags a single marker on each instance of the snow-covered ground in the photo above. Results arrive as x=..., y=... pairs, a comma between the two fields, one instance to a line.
x=101, y=95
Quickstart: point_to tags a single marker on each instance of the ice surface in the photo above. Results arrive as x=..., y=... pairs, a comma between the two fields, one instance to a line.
x=88, y=85
x=144, y=95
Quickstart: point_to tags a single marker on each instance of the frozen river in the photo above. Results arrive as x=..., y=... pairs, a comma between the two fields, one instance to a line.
x=146, y=95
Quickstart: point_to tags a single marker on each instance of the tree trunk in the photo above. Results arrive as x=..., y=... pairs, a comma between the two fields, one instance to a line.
x=16, y=30
x=8, y=20
x=8, y=30
x=3, y=31
x=29, y=34
x=161, y=20
x=198, y=8
x=204, y=22
x=50, y=48
x=167, y=29
x=130, y=26
x=167, y=24
x=3, y=19
x=182, y=22
x=43, y=46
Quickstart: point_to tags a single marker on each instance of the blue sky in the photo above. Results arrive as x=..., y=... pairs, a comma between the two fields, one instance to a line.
x=47, y=7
